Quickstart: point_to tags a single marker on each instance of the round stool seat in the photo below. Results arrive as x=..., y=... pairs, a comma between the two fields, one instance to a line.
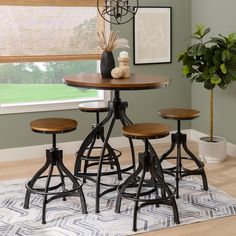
x=179, y=113
x=146, y=131
x=53, y=125
x=93, y=107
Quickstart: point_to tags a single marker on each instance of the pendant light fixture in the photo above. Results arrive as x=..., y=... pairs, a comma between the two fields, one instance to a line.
x=117, y=11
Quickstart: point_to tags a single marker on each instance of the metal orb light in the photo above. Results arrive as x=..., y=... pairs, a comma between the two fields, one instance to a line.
x=117, y=11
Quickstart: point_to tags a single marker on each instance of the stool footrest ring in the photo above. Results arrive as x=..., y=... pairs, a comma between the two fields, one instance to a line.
x=158, y=200
x=41, y=191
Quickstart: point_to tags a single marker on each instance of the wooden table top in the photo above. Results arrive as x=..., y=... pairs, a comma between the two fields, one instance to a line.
x=135, y=82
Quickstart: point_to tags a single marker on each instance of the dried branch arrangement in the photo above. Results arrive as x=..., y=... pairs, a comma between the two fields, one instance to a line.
x=113, y=42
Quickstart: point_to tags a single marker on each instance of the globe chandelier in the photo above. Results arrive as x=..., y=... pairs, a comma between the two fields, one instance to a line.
x=117, y=11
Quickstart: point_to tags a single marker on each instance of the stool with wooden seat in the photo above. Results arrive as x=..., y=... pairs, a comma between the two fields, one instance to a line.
x=54, y=158
x=90, y=159
x=144, y=189
x=179, y=139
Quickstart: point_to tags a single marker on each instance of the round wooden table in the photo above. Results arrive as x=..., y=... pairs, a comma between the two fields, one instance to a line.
x=135, y=82
x=117, y=111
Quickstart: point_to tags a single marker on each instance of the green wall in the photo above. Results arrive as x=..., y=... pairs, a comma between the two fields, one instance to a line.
x=220, y=16
x=143, y=105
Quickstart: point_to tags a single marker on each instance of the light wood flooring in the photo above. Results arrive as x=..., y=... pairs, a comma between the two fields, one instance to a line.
x=222, y=176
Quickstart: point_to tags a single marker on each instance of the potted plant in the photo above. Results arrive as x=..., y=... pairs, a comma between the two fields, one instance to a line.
x=213, y=63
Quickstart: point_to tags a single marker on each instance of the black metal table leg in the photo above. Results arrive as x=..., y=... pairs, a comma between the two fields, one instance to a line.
x=116, y=112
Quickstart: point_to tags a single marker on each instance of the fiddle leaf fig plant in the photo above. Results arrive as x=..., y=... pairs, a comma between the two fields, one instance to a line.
x=211, y=62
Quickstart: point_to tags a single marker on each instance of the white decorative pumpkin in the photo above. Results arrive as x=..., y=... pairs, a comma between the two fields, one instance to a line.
x=117, y=73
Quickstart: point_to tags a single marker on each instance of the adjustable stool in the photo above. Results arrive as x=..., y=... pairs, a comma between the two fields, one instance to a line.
x=147, y=164
x=178, y=139
x=54, y=157
x=90, y=159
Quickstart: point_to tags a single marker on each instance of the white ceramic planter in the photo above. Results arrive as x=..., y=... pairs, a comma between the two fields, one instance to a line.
x=212, y=152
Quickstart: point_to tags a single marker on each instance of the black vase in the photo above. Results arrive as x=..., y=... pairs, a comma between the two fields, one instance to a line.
x=107, y=64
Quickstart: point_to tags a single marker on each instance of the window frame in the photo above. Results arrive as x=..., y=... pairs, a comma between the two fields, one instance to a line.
x=60, y=104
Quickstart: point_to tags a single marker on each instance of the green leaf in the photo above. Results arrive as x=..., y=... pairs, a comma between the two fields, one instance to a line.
x=217, y=40
x=232, y=37
x=212, y=70
x=201, y=31
x=199, y=79
x=194, y=36
x=186, y=70
x=215, y=79
x=217, y=58
x=223, y=68
x=208, y=85
x=181, y=57
x=200, y=28
x=197, y=49
x=207, y=30
x=226, y=55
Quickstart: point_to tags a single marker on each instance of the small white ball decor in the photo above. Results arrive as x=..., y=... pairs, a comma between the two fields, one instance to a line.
x=117, y=73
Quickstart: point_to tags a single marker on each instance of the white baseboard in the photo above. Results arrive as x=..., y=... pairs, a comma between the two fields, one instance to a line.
x=22, y=153
x=31, y=152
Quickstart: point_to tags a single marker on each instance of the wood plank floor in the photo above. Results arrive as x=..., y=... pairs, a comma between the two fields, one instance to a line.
x=222, y=176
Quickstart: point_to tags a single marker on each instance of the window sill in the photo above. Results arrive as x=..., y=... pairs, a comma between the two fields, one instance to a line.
x=50, y=106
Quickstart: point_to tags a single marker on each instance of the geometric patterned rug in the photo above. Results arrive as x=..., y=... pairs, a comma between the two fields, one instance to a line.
x=64, y=218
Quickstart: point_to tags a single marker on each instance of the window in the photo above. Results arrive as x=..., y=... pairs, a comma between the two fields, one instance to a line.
x=44, y=41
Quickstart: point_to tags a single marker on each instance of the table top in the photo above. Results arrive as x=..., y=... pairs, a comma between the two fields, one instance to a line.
x=135, y=82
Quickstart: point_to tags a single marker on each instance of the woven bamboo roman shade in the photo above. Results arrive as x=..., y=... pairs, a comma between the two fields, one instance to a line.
x=49, y=30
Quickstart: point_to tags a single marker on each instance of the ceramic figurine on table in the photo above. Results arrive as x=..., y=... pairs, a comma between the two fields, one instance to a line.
x=124, y=63
x=123, y=70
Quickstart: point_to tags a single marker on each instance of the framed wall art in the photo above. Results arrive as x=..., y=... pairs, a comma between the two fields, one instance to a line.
x=152, y=35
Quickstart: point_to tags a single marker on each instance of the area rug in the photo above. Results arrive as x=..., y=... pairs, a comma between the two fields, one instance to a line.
x=65, y=217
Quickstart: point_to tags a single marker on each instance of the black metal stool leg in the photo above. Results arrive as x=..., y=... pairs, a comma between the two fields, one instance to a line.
x=86, y=163
x=171, y=197
x=46, y=191
x=124, y=185
x=180, y=140
x=62, y=180
x=200, y=164
x=136, y=207
x=178, y=176
x=158, y=177
x=145, y=168
x=146, y=164
x=74, y=181
x=172, y=147
x=32, y=182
